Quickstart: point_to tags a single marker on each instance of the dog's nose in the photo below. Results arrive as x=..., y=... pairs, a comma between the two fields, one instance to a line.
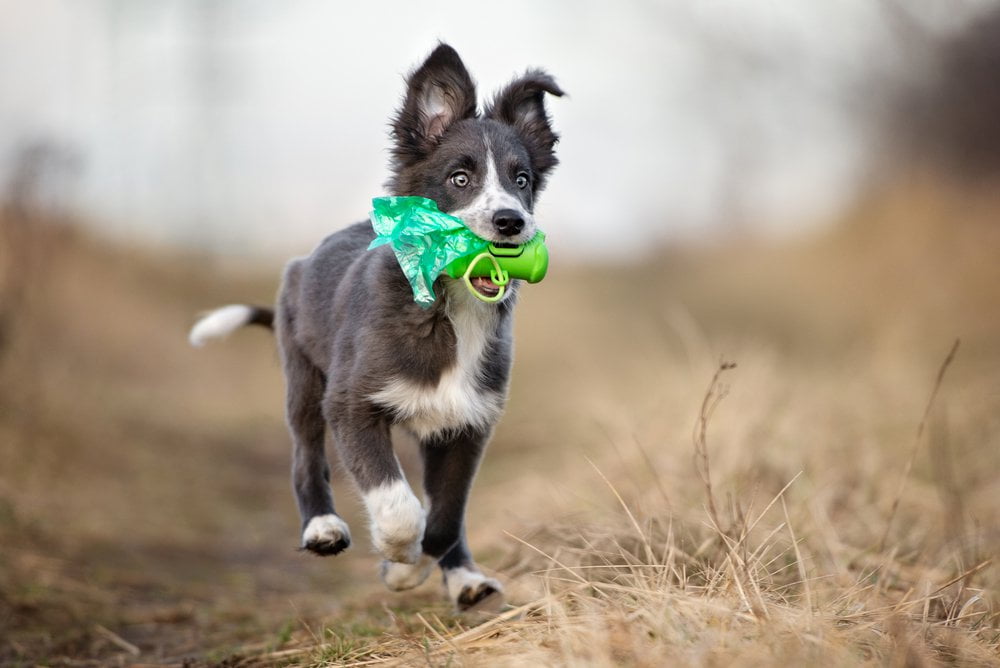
x=508, y=222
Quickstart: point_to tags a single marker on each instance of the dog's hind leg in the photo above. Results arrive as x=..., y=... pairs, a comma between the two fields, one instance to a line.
x=323, y=531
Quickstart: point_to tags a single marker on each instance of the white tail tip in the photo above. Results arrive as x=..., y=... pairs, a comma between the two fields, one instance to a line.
x=220, y=323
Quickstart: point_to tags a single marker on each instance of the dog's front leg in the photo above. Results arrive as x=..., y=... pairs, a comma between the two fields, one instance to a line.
x=397, y=518
x=450, y=464
x=449, y=468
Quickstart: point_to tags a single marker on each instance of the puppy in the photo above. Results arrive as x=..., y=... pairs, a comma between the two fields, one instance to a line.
x=360, y=356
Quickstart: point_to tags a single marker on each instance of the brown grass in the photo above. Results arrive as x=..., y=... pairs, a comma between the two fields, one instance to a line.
x=145, y=514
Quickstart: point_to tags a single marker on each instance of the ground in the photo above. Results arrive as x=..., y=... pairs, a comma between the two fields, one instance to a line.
x=830, y=499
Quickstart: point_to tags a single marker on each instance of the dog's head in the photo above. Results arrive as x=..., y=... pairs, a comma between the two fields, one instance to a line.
x=488, y=169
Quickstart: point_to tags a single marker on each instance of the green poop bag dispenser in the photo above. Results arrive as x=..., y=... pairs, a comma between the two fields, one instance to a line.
x=428, y=243
x=528, y=261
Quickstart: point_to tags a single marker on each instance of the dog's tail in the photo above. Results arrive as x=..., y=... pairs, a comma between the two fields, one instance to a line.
x=224, y=321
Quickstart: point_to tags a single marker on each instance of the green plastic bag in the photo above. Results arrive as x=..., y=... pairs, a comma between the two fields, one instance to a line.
x=424, y=239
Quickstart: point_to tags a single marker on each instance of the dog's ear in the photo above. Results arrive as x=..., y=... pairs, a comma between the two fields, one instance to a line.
x=521, y=104
x=438, y=93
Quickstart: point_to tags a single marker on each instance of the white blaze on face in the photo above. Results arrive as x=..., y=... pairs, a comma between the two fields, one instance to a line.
x=492, y=197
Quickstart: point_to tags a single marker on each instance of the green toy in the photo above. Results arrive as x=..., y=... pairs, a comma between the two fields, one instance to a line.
x=427, y=243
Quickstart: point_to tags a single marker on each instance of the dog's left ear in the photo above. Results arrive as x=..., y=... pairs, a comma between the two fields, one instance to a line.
x=521, y=104
x=438, y=93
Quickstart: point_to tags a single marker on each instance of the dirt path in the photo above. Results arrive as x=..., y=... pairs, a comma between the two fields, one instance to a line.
x=146, y=514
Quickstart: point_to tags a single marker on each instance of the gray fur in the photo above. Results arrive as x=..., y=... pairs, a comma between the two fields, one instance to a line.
x=353, y=341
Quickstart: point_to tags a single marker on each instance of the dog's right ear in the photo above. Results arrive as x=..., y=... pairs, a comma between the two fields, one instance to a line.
x=438, y=93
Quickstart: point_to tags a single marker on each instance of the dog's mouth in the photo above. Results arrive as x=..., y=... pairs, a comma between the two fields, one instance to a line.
x=485, y=286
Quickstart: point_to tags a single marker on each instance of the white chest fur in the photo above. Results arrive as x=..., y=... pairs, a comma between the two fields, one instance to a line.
x=457, y=400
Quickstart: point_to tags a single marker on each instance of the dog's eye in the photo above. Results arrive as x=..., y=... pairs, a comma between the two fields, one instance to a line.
x=521, y=181
x=460, y=179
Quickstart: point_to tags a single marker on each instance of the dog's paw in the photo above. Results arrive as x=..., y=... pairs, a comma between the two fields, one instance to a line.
x=325, y=535
x=470, y=590
x=399, y=577
x=398, y=522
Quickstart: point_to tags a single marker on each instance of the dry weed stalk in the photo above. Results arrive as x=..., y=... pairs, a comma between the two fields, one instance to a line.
x=916, y=443
x=715, y=393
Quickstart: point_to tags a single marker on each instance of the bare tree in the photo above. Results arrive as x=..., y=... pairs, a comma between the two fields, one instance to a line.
x=946, y=114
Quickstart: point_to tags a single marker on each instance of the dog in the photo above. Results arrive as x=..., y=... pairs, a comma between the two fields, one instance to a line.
x=359, y=356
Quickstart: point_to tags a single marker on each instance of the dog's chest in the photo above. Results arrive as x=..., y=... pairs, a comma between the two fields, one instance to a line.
x=458, y=399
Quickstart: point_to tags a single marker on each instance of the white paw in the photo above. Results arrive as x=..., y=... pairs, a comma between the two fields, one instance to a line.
x=471, y=590
x=397, y=522
x=399, y=577
x=326, y=534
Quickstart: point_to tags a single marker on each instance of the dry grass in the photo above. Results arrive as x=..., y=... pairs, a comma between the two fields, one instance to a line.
x=832, y=499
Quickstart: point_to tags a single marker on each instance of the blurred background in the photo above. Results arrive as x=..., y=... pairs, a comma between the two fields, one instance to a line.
x=811, y=188
x=251, y=128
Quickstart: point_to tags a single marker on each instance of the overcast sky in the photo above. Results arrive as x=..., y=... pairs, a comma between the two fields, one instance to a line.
x=258, y=126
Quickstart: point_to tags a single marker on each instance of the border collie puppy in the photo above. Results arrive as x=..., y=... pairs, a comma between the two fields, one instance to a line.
x=360, y=356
